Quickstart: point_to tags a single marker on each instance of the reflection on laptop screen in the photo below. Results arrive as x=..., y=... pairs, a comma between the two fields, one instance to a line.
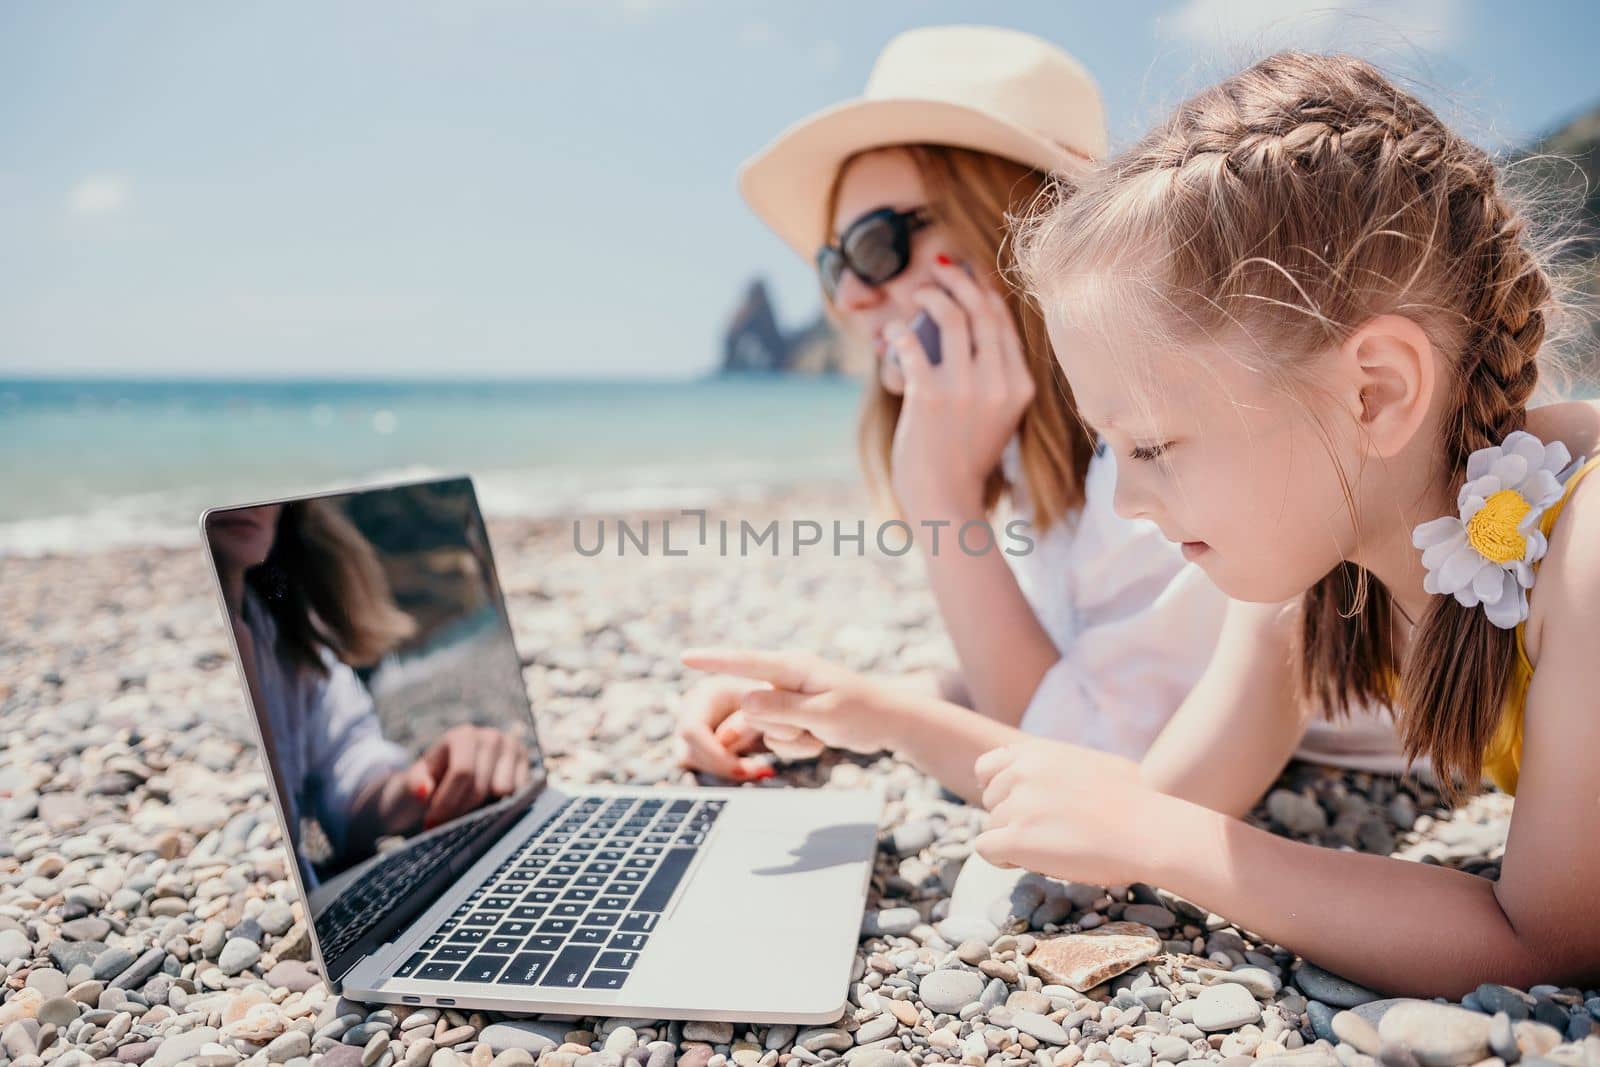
x=381, y=666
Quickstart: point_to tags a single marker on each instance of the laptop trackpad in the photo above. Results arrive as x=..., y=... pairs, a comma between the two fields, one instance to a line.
x=788, y=894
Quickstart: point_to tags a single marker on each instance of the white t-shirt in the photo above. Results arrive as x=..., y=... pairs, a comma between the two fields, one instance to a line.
x=327, y=742
x=1135, y=624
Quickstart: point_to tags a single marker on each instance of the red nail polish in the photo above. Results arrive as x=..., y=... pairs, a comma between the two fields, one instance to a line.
x=762, y=774
x=421, y=790
x=943, y=260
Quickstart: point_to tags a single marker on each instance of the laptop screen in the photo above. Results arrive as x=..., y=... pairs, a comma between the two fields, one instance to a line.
x=389, y=695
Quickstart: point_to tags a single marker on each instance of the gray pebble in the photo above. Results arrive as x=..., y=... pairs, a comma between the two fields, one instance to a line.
x=91, y=928
x=1318, y=984
x=950, y=990
x=14, y=945
x=237, y=955
x=58, y=1010
x=890, y=922
x=1495, y=998
x=911, y=837
x=1321, y=1017
x=1041, y=1027
x=290, y=1044
x=361, y=1033
x=1153, y=915
x=876, y=1029
x=818, y=1038
x=112, y=962
x=48, y=981
x=1225, y=1007
x=1438, y=1035
x=710, y=1032
x=142, y=968
x=531, y=1035
x=276, y=918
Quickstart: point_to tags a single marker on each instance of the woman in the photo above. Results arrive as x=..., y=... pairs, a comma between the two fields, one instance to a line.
x=308, y=602
x=1099, y=631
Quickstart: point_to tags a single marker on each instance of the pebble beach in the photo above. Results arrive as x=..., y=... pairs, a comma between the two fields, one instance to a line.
x=148, y=914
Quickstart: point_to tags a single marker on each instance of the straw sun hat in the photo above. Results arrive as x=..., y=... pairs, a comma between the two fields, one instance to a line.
x=980, y=87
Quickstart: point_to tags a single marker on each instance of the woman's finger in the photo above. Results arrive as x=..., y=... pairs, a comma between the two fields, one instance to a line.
x=737, y=734
x=974, y=300
x=915, y=366
x=955, y=337
x=486, y=754
x=504, y=779
x=786, y=670
x=700, y=750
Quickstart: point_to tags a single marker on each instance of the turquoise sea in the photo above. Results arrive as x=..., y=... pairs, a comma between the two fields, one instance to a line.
x=96, y=463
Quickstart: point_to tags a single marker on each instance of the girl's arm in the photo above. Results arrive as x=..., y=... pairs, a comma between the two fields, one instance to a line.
x=1234, y=733
x=1440, y=931
x=843, y=709
x=1402, y=927
x=1003, y=649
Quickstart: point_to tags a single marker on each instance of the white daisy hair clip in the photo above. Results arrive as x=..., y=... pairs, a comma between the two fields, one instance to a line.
x=1486, y=555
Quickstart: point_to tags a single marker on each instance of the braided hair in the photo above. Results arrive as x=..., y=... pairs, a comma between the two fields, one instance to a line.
x=1297, y=200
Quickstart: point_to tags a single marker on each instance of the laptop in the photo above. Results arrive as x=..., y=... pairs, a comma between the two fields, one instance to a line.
x=439, y=864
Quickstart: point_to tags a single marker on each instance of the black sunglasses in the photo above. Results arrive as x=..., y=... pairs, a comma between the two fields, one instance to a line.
x=875, y=247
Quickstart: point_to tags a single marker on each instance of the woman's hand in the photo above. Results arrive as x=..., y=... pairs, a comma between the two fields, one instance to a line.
x=464, y=770
x=1068, y=812
x=809, y=702
x=714, y=735
x=957, y=417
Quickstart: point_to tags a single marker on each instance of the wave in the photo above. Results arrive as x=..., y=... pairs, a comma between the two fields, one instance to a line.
x=170, y=518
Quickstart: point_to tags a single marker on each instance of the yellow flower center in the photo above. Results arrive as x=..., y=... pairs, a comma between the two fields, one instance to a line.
x=1493, y=530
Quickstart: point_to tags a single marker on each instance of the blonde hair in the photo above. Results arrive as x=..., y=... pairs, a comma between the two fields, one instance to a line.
x=326, y=588
x=1293, y=202
x=972, y=194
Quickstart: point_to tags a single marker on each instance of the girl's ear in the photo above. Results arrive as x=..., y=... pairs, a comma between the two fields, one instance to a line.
x=1391, y=379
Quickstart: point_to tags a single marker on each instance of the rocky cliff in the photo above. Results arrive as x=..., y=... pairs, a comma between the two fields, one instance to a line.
x=754, y=342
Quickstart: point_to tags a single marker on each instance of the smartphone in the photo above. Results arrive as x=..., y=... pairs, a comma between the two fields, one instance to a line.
x=927, y=332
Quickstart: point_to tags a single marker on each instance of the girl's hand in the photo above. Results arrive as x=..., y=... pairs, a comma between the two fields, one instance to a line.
x=1067, y=811
x=957, y=417
x=713, y=735
x=810, y=702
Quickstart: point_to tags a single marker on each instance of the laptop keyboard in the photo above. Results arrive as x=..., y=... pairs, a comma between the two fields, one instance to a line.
x=576, y=904
x=358, y=909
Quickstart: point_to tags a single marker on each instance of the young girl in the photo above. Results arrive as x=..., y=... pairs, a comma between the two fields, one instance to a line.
x=1309, y=322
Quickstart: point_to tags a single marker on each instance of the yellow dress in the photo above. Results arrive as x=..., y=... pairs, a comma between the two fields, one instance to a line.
x=1502, y=760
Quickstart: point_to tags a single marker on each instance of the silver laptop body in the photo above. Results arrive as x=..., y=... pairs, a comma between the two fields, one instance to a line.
x=429, y=880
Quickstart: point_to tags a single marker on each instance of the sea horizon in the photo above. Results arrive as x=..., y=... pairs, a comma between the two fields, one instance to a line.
x=99, y=462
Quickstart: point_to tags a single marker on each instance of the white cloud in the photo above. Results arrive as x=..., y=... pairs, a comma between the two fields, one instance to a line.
x=100, y=194
x=1319, y=24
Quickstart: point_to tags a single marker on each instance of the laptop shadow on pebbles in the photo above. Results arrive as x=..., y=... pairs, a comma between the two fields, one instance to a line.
x=438, y=863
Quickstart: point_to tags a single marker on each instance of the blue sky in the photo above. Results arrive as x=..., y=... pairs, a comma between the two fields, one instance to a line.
x=487, y=189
